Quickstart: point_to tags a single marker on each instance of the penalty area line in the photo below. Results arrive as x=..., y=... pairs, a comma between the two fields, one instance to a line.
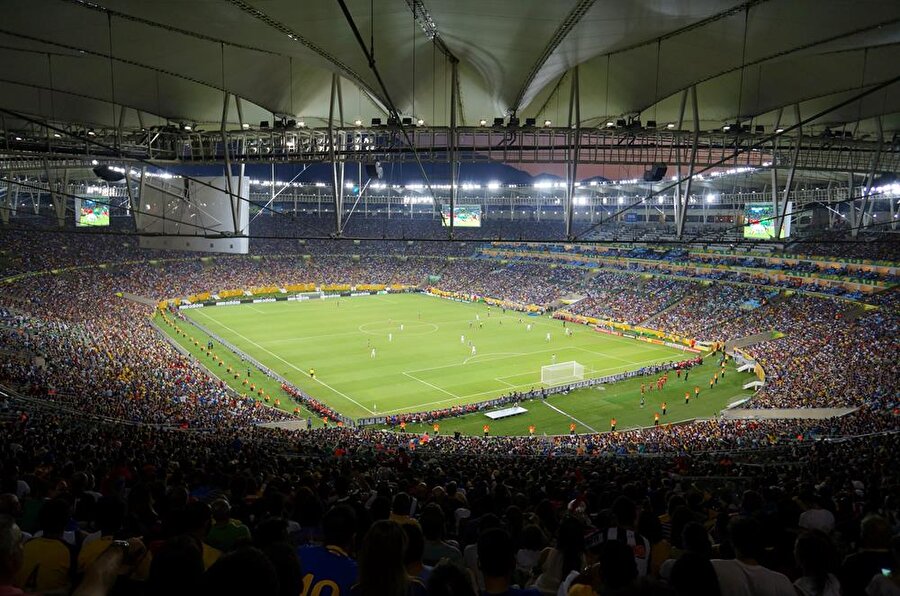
x=569, y=416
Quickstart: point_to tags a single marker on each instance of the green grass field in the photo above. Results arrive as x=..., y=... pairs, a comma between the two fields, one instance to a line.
x=425, y=365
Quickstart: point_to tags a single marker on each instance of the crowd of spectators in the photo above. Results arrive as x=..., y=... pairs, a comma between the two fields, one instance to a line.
x=266, y=511
x=629, y=298
x=125, y=439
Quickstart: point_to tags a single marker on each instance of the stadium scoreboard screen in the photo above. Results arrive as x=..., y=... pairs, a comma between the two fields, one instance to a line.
x=464, y=216
x=760, y=221
x=91, y=212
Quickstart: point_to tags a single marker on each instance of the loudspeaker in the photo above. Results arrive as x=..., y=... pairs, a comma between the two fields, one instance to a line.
x=375, y=170
x=655, y=173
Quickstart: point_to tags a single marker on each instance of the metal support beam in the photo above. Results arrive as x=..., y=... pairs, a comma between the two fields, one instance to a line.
x=573, y=149
x=133, y=205
x=6, y=205
x=240, y=111
x=59, y=200
x=782, y=213
x=676, y=196
x=862, y=220
x=454, y=164
x=337, y=168
x=139, y=224
x=682, y=212
x=233, y=198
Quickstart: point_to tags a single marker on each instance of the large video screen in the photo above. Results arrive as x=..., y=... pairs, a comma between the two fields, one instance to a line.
x=92, y=213
x=760, y=221
x=465, y=216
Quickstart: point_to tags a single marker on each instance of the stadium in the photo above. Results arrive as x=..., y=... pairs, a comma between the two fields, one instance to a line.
x=433, y=297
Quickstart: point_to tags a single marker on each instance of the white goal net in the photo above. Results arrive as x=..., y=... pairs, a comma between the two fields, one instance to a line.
x=564, y=372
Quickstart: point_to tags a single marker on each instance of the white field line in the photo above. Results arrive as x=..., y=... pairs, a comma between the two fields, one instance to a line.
x=569, y=416
x=441, y=389
x=273, y=354
x=502, y=355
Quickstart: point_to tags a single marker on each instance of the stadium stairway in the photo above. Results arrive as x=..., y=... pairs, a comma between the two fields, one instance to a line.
x=748, y=340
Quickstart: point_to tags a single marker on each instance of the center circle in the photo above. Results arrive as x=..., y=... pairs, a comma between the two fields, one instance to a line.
x=409, y=328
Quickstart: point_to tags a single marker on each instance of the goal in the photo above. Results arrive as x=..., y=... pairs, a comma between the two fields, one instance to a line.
x=564, y=372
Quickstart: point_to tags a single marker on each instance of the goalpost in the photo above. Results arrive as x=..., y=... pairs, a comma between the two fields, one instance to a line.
x=564, y=372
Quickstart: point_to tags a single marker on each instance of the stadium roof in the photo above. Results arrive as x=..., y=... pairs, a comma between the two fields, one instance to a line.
x=77, y=61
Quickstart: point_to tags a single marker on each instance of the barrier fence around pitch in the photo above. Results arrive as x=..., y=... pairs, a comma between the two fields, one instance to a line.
x=295, y=391
x=472, y=408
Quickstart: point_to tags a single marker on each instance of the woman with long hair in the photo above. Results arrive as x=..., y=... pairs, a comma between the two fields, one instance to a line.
x=381, y=569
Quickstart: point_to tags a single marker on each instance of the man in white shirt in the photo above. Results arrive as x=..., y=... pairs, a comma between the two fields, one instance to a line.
x=743, y=575
x=817, y=517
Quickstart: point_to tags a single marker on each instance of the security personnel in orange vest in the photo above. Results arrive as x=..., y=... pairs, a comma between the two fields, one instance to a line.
x=655, y=418
x=437, y=428
x=612, y=425
x=486, y=429
x=531, y=430
x=664, y=407
x=571, y=428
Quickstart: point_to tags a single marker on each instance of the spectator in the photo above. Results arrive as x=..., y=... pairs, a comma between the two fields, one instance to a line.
x=496, y=560
x=436, y=548
x=225, y=533
x=743, y=575
x=871, y=557
x=47, y=562
x=381, y=569
x=450, y=579
x=887, y=581
x=815, y=558
x=331, y=563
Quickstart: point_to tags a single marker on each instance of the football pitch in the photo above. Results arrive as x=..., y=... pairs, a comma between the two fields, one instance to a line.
x=389, y=354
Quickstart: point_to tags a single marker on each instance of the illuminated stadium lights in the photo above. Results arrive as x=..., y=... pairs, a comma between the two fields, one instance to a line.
x=670, y=125
x=660, y=200
x=420, y=122
x=593, y=183
x=779, y=130
x=357, y=122
x=710, y=198
x=57, y=135
x=90, y=133
x=621, y=200
x=320, y=184
x=482, y=122
x=547, y=123
x=301, y=124
x=543, y=184
x=245, y=126
x=18, y=138
x=610, y=124
x=94, y=162
x=493, y=185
